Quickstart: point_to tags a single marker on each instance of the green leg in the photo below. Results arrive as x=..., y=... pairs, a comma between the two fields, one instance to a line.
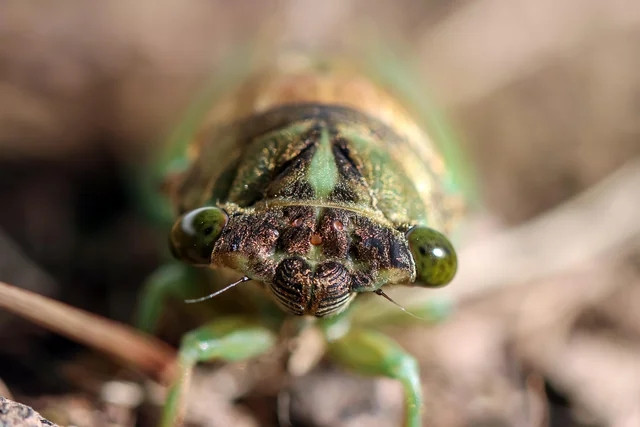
x=430, y=312
x=174, y=280
x=373, y=353
x=227, y=339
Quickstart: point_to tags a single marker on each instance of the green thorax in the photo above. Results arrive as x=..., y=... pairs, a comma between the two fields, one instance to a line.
x=312, y=155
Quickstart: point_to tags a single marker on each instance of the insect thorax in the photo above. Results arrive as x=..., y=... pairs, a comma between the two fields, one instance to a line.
x=319, y=198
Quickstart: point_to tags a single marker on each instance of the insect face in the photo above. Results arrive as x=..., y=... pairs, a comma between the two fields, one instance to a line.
x=312, y=259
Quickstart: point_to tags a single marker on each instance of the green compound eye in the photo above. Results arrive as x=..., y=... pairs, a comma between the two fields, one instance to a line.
x=434, y=256
x=194, y=234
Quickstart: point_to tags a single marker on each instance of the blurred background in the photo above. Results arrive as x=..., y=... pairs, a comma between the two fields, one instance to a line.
x=546, y=97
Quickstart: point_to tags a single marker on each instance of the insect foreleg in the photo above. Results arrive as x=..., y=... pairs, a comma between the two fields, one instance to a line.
x=226, y=339
x=174, y=280
x=373, y=353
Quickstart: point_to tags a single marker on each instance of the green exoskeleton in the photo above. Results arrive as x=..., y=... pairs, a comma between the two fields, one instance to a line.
x=312, y=180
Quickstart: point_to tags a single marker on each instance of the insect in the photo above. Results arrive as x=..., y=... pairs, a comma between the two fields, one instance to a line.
x=311, y=180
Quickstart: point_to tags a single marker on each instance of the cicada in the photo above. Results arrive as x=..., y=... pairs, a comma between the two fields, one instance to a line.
x=312, y=179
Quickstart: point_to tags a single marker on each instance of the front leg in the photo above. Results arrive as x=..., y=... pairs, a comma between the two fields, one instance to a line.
x=373, y=353
x=226, y=339
x=172, y=280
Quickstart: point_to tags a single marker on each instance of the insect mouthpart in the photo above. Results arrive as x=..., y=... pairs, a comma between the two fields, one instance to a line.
x=302, y=291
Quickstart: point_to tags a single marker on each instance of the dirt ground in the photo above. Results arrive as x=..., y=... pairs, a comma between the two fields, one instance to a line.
x=546, y=97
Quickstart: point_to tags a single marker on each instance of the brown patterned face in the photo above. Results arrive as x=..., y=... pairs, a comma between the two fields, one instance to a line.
x=313, y=259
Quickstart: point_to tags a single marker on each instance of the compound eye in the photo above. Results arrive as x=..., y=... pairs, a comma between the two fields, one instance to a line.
x=194, y=234
x=435, y=259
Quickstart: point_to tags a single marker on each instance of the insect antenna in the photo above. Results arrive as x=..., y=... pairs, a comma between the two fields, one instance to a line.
x=218, y=292
x=388, y=298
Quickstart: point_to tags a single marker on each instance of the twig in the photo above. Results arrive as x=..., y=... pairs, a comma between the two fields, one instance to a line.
x=486, y=45
x=146, y=353
x=596, y=223
x=18, y=268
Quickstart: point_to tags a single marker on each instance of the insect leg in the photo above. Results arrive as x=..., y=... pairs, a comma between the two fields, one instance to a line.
x=429, y=312
x=174, y=280
x=373, y=353
x=226, y=339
